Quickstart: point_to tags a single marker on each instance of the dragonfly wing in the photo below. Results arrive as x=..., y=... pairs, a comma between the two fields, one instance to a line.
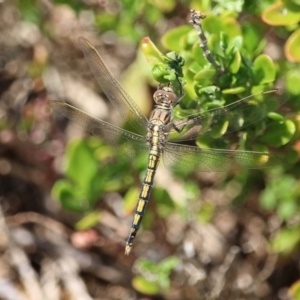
x=112, y=88
x=189, y=158
x=130, y=143
x=230, y=118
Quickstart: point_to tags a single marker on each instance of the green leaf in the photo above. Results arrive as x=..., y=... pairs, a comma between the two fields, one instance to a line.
x=145, y=286
x=163, y=74
x=253, y=39
x=205, y=77
x=292, y=80
x=285, y=241
x=279, y=134
x=287, y=209
x=170, y=40
x=293, y=5
x=233, y=91
x=160, y=272
x=292, y=47
x=165, y=68
x=213, y=24
x=276, y=116
x=264, y=69
x=70, y=197
x=151, y=52
x=230, y=5
x=88, y=221
x=219, y=129
x=82, y=165
x=198, y=55
x=168, y=264
x=277, y=15
x=268, y=199
x=164, y=6
x=235, y=64
x=232, y=28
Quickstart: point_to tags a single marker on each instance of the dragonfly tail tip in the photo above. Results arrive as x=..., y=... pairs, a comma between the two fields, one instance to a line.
x=128, y=249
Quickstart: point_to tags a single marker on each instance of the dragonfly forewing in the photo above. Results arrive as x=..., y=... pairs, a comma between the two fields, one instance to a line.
x=230, y=118
x=128, y=143
x=112, y=88
x=188, y=158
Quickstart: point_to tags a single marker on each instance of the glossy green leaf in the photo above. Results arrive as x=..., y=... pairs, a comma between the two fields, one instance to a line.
x=165, y=68
x=219, y=129
x=88, y=221
x=163, y=74
x=233, y=91
x=277, y=15
x=208, y=92
x=164, y=6
x=293, y=5
x=205, y=77
x=159, y=271
x=292, y=80
x=70, y=197
x=203, y=5
x=63, y=189
x=235, y=64
x=231, y=27
x=264, y=69
x=276, y=117
x=253, y=38
x=168, y=264
x=212, y=24
x=145, y=286
x=198, y=55
x=292, y=47
x=279, y=134
x=171, y=38
x=287, y=209
x=151, y=52
x=82, y=165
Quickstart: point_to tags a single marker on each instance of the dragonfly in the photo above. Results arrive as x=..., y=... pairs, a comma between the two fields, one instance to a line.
x=161, y=134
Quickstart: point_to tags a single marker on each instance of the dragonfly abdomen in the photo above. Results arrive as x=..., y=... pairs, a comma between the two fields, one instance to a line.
x=153, y=161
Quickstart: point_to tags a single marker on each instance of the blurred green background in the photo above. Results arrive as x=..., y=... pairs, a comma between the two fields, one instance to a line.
x=67, y=198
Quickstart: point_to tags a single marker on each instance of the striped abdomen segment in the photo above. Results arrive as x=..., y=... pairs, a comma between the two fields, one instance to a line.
x=144, y=196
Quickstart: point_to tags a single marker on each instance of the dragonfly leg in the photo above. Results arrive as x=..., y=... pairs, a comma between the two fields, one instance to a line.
x=179, y=127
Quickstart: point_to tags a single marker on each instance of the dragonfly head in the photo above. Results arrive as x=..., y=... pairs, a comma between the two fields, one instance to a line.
x=165, y=96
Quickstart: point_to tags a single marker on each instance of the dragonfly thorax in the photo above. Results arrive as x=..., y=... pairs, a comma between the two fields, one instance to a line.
x=165, y=97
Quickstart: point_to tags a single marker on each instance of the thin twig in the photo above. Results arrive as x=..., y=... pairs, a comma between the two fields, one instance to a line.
x=196, y=17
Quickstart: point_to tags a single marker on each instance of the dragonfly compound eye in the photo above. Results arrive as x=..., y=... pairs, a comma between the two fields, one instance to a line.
x=162, y=96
